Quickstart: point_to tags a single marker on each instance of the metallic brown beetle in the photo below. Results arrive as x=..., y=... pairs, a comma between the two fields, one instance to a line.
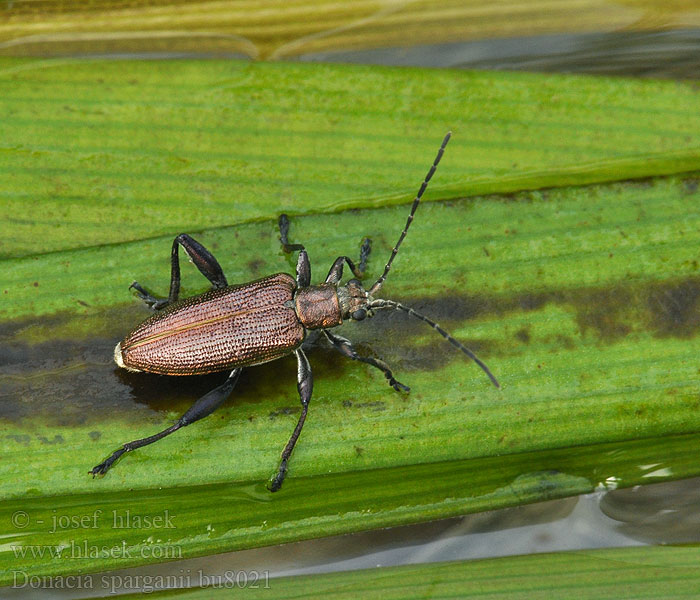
x=236, y=326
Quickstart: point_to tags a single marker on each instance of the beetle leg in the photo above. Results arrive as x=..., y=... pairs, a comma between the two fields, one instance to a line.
x=344, y=346
x=335, y=274
x=152, y=301
x=303, y=270
x=283, y=224
x=365, y=249
x=202, y=259
x=305, y=385
x=303, y=265
x=336, y=271
x=203, y=407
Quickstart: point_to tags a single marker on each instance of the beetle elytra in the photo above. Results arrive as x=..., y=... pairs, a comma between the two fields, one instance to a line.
x=237, y=326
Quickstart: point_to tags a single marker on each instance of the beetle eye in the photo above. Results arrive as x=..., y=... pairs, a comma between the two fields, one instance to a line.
x=359, y=314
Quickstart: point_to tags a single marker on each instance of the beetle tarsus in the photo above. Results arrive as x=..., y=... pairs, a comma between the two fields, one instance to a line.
x=283, y=224
x=303, y=265
x=150, y=300
x=365, y=251
x=276, y=482
x=104, y=466
x=398, y=386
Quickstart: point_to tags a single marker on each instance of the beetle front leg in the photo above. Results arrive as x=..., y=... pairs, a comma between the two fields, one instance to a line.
x=335, y=274
x=283, y=224
x=344, y=346
x=203, y=407
x=303, y=265
x=305, y=385
x=202, y=259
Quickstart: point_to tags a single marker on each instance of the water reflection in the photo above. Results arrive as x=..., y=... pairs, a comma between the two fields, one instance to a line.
x=661, y=54
x=667, y=513
x=652, y=514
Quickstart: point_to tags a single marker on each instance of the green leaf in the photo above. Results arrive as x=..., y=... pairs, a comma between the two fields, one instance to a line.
x=582, y=300
x=648, y=572
x=111, y=151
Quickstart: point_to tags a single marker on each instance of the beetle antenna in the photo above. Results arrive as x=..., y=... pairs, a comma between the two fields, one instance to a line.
x=416, y=202
x=381, y=303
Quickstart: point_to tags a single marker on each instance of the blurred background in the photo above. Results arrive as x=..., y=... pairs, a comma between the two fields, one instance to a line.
x=632, y=37
x=629, y=37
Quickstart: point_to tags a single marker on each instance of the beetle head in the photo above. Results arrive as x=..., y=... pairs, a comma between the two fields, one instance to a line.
x=355, y=301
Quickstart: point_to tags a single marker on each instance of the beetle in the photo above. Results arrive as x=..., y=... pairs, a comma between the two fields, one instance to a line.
x=238, y=326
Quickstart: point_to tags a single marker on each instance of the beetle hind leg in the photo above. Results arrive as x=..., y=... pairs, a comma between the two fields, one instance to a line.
x=202, y=259
x=344, y=346
x=203, y=407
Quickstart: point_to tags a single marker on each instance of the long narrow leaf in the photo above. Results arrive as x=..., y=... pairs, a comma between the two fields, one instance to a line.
x=110, y=151
x=582, y=300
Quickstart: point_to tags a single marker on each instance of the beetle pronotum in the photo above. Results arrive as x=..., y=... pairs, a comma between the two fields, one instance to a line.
x=237, y=326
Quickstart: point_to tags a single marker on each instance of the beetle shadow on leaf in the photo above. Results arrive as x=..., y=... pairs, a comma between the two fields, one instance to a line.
x=59, y=369
x=165, y=393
